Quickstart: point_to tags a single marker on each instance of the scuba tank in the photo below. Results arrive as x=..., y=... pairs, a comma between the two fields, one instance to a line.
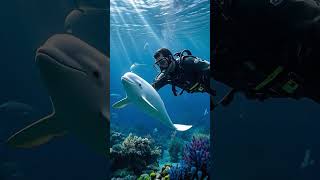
x=198, y=86
x=179, y=57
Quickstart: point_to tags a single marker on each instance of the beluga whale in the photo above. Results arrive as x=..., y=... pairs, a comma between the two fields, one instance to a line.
x=76, y=77
x=143, y=95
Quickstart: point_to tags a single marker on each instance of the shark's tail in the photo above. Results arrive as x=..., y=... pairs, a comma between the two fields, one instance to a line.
x=181, y=127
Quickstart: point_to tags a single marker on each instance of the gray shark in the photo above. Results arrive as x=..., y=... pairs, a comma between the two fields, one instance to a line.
x=76, y=77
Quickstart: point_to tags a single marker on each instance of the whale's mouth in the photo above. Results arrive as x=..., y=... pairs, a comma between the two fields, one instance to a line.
x=44, y=54
x=125, y=79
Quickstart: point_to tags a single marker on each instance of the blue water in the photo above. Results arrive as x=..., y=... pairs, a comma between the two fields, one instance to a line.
x=24, y=27
x=266, y=140
x=138, y=29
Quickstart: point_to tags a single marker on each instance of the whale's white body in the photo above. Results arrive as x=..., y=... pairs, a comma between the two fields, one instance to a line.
x=143, y=95
x=76, y=76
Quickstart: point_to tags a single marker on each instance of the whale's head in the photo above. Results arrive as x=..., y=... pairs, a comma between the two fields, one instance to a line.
x=133, y=84
x=73, y=71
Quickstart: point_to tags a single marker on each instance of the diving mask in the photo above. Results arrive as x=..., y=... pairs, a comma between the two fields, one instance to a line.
x=162, y=64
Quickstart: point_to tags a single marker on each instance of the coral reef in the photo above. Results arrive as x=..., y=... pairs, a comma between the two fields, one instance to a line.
x=196, y=153
x=179, y=172
x=195, y=164
x=116, y=138
x=124, y=174
x=196, y=156
x=175, y=149
x=135, y=153
x=135, y=157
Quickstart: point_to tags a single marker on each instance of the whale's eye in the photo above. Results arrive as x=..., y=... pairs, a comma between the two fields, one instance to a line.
x=139, y=84
x=96, y=74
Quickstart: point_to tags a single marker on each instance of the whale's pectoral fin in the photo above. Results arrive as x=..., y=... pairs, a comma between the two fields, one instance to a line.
x=181, y=127
x=121, y=104
x=146, y=100
x=40, y=132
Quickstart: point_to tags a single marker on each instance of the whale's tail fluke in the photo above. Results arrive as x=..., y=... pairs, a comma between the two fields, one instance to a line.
x=181, y=127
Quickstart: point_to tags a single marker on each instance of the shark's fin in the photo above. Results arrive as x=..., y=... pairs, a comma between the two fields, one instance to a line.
x=146, y=100
x=181, y=127
x=40, y=132
x=121, y=104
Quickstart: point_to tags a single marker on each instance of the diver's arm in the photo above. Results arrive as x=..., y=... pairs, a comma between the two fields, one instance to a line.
x=159, y=82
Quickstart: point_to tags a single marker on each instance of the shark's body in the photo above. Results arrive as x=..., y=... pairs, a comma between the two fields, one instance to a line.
x=75, y=75
x=144, y=96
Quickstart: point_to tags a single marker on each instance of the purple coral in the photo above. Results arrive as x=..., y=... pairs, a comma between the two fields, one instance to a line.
x=179, y=171
x=196, y=155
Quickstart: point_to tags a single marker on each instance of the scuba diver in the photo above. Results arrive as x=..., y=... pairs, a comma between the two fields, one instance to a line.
x=267, y=50
x=183, y=70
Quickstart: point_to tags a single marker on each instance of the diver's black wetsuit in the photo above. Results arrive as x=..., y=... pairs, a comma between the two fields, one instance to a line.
x=190, y=74
x=252, y=39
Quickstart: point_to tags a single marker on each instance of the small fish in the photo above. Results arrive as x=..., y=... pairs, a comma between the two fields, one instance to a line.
x=205, y=112
x=155, y=130
x=307, y=161
x=135, y=65
x=146, y=45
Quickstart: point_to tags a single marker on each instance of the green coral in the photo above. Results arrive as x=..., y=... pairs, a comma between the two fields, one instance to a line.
x=200, y=134
x=144, y=177
x=167, y=177
x=175, y=149
x=153, y=175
